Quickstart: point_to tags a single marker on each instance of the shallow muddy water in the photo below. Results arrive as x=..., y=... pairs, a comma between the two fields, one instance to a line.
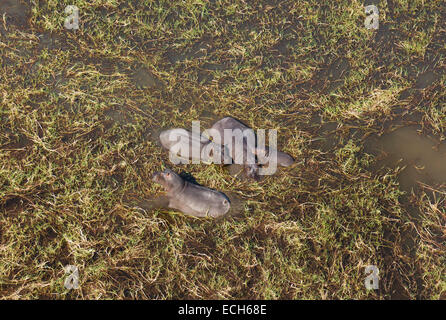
x=423, y=157
x=144, y=78
x=16, y=10
x=426, y=79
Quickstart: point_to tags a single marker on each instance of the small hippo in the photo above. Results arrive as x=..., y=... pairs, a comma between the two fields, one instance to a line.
x=190, y=198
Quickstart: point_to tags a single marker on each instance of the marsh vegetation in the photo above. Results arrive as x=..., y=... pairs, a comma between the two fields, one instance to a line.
x=363, y=113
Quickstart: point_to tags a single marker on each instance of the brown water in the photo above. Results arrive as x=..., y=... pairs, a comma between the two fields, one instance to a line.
x=237, y=205
x=238, y=171
x=336, y=73
x=423, y=160
x=15, y=11
x=423, y=157
x=144, y=78
x=426, y=79
x=198, y=50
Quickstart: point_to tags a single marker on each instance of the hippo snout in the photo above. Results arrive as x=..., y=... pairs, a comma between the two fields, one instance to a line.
x=156, y=176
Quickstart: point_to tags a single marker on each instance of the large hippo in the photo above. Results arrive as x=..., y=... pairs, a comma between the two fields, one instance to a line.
x=250, y=146
x=190, y=198
x=183, y=145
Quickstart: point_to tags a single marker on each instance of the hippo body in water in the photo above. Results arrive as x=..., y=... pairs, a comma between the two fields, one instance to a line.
x=247, y=156
x=190, y=198
x=184, y=145
x=249, y=146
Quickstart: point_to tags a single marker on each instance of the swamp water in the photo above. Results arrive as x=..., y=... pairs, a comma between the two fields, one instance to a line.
x=422, y=158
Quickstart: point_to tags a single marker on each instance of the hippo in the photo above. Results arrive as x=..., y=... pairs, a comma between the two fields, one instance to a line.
x=183, y=145
x=250, y=147
x=190, y=198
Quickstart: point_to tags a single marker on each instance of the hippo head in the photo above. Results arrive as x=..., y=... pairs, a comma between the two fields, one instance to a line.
x=226, y=204
x=222, y=206
x=168, y=179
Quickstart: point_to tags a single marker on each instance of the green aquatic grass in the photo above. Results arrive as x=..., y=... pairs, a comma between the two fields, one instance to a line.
x=78, y=139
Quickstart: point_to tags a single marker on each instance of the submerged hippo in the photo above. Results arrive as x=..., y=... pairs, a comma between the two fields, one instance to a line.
x=183, y=145
x=190, y=198
x=250, y=146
